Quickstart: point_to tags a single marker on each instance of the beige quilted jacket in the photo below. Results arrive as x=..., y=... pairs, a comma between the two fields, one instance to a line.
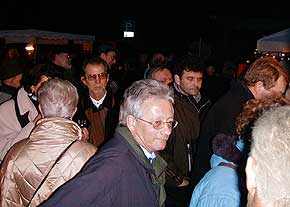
x=29, y=160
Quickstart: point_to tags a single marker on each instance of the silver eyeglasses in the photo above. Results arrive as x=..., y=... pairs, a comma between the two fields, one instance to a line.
x=160, y=124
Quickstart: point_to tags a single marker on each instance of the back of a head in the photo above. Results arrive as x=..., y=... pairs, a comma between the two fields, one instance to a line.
x=138, y=93
x=252, y=110
x=31, y=77
x=225, y=146
x=271, y=151
x=267, y=70
x=58, y=98
x=157, y=58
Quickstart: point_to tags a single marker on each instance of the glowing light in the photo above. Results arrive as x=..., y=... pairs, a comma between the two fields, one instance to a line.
x=128, y=34
x=29, y=47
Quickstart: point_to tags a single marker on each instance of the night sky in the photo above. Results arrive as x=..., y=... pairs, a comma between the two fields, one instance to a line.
x=231, y=30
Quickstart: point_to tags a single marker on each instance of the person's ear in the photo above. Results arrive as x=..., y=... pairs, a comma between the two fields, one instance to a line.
x=74, y=112
x=83, y=79
x=108, y=76
x=259, y=87
x=177, y=79
x=251, y=174
x=40, y=110
x=32, y=88
x=131, y=122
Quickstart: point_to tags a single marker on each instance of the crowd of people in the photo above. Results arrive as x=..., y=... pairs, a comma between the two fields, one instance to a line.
x=177, y=137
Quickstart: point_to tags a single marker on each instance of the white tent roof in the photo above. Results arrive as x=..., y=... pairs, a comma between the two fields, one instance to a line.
x=277, y=42
x=42, y=37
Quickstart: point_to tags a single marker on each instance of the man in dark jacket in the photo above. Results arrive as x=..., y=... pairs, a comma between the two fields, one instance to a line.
x=127, y=171
x=179, y=152
x=265, y=78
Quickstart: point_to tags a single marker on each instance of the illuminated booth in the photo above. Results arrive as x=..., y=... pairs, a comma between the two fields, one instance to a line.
x=276, y=45
x=39, y=41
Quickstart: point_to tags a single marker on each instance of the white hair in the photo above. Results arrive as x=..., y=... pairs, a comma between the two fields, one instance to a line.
x=58, y=98
x=140, y=91
x=271, y=150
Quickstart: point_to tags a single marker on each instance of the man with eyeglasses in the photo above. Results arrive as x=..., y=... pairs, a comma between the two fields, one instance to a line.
x=128, y=170
x=60, y=60
x=97, y=102
x=109, y=54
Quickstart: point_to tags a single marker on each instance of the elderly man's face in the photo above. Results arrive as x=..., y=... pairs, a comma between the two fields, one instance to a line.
x=63, y=60
x=163, y=76
x=144, y=133
x=96, y=79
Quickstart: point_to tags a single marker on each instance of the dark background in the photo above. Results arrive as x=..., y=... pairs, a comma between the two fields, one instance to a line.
x=229, y=30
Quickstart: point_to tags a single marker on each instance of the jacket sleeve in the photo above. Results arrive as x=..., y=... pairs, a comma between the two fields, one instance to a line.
x=91, y=187
x=173, y=174
x=9, y=192
x=204, y=151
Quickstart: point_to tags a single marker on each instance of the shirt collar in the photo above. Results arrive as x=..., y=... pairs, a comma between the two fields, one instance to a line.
x=99, y=102
x=149, y=155
x=197, y=97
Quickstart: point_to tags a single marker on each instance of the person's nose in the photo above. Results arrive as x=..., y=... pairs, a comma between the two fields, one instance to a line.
x=167, y=129
x=97, y=79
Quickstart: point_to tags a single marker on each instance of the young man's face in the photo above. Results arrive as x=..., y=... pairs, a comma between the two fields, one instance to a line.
x=190, y=82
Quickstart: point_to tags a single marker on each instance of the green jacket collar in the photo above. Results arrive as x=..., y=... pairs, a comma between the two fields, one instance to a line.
x=158, y=164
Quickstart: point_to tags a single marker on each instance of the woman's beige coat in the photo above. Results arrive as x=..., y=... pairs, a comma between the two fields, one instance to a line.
x=29, y=160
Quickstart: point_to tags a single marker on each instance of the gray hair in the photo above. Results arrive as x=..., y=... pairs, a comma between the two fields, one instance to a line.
x=271, y=150
x=135, y=96
x=58, y=98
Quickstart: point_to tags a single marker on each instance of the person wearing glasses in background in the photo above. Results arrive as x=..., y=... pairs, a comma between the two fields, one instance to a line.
x=96, y=102
x=109, y=54
x=127, y=171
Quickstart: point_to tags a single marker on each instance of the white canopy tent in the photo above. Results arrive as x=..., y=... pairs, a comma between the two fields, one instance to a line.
x=277, y=42
x=32, y=36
